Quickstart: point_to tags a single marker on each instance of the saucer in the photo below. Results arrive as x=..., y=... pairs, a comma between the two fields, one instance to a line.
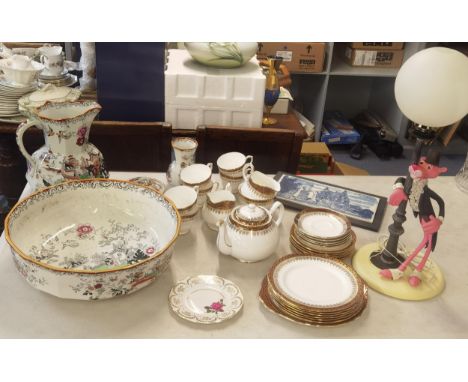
x=44, y=76
x=68, y=80
x=206, y=299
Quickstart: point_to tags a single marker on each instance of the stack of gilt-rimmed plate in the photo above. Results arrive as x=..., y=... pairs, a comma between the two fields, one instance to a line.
x=313, y=290
x=9, y=96
x=321, y=232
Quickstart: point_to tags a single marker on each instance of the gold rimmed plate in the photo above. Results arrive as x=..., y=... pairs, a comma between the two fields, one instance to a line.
x=266, y=300
x=322, y=223
x=314, y=282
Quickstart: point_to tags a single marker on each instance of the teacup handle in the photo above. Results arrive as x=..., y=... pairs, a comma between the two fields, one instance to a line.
x=277, y=209
x=196, y=188
x=249, y=159
x=210, y=165
x=215, y=186
x=247, y=170
x=42, y=58
x=19, y=140
x=227, y=187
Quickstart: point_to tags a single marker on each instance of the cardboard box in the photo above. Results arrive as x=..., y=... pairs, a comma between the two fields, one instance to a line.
x=299, y=57
x=315, y=158
x=377, y=45
x=374, y=58
x=346, y=169
x=337, y=129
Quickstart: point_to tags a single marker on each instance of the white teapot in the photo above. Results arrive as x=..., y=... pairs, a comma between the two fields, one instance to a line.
x=250, y=233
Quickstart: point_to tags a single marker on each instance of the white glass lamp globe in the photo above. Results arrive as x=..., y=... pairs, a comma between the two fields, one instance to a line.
x=431, y=87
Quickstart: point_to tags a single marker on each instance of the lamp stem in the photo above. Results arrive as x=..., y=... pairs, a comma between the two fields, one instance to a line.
x=389, y=257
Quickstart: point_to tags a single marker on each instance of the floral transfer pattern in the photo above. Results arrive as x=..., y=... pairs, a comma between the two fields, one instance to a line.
x=215, y=307
x=81, y=135
x=92, y=286
x=115, y=244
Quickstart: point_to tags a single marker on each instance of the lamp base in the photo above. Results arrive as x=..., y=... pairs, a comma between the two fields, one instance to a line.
x=432, y=283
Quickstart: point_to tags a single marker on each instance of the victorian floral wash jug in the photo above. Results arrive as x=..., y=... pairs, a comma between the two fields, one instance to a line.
x=67, y=154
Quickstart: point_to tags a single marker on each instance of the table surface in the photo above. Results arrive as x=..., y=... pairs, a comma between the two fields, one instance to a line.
x=28, y=313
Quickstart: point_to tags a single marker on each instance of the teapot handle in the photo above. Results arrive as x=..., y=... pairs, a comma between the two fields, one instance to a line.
x=247, y=170
x=277, y=208
x=19, y=140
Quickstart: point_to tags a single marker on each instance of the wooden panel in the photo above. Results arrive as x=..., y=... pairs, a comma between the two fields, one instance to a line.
x=273, y=149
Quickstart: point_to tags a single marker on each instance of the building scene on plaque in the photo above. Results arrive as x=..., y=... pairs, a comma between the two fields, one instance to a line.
x=313, y=194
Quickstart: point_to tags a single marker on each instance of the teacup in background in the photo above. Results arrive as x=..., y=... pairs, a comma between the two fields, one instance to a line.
x=198, y=174
x=52, y=59
x=185, y=199
x=230, y=166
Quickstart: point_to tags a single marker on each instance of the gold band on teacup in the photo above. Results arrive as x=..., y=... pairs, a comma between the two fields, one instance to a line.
x=185, y=209
x=224, y=205
x=236, y=179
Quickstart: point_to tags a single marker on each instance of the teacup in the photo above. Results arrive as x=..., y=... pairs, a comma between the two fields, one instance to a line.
x=218, y=206
x=247, y=196
x=30, y=52
x=19, y=61
x=185, y=199
x=260, y=184
x=234, y=182
x=52, y=59
x=231, y=164
x=197, y=175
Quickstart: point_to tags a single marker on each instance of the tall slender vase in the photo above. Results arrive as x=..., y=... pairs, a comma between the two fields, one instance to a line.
x=182, y=155
x=272, y=89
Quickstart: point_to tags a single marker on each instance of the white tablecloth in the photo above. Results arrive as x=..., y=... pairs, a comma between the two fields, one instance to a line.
x=28, y=313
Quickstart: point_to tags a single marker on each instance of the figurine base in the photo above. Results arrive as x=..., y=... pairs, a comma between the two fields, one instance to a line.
x=432, y=283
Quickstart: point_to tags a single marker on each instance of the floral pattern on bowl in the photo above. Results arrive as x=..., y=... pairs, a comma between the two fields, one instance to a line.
x=92, y=239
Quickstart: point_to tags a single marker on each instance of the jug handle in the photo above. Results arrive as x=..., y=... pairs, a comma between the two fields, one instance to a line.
x=247, y=170
x=277, y=208
x=19, y=140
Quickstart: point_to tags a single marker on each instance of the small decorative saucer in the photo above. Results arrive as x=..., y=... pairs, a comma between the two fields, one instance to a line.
x=206, y=299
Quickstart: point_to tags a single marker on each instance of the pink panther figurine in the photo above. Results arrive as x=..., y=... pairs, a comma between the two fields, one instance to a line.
x=420, y=201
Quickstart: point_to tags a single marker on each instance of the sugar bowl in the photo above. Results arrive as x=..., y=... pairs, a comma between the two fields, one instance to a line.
x=250, y=233
x=218, y=206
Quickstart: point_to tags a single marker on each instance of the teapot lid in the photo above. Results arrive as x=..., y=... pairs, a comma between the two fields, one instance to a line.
x=251, y=216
